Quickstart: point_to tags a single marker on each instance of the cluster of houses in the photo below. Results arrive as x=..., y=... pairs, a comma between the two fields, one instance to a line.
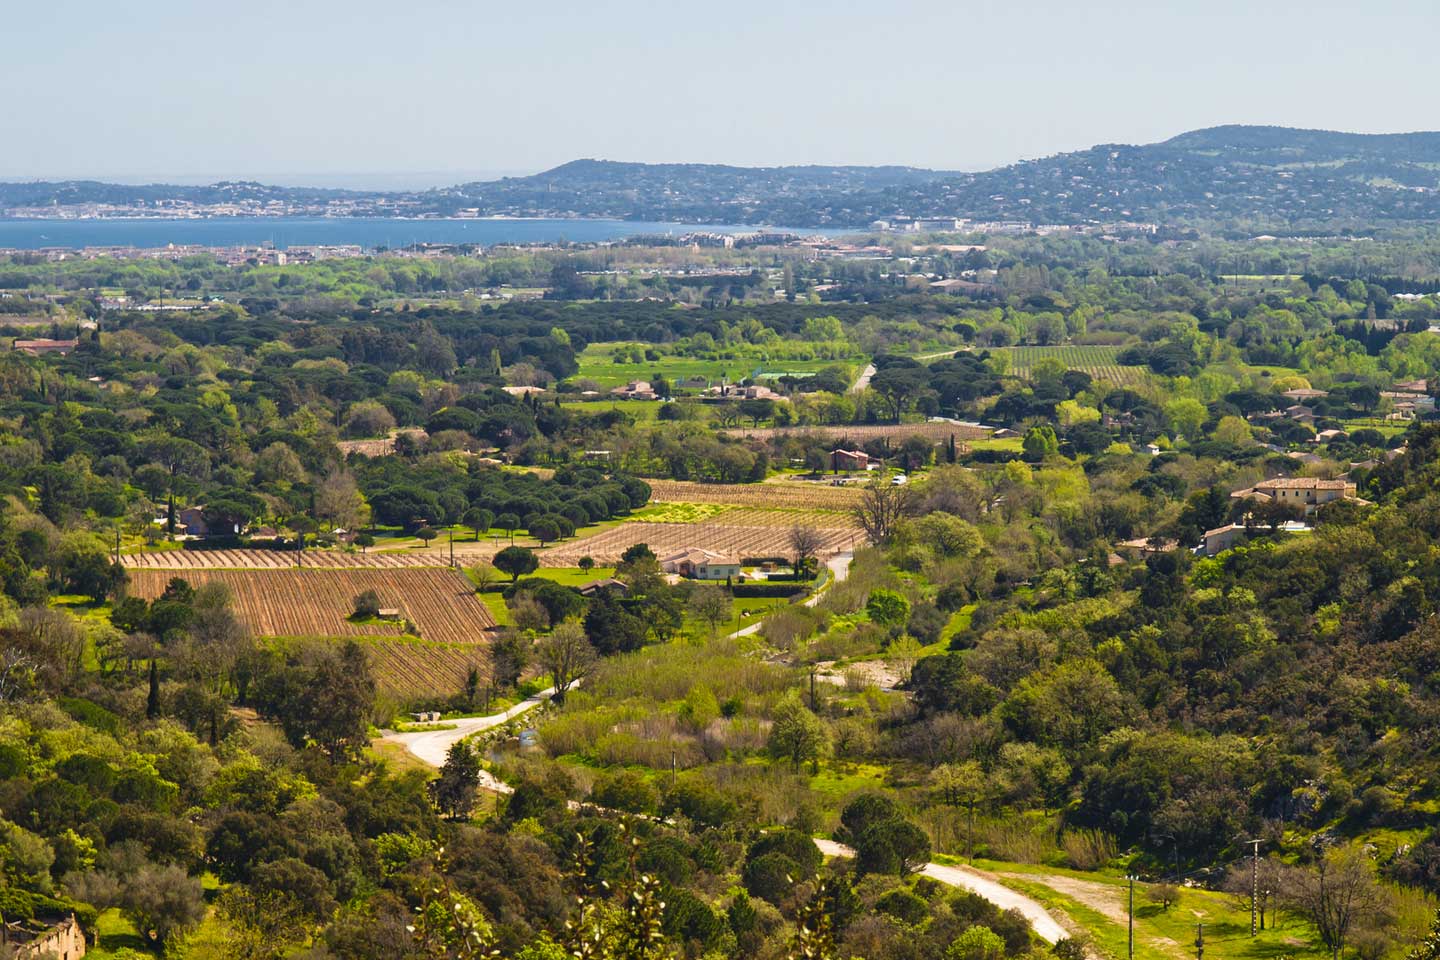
x=1407, y=400
x=645, y=390
x=1308, y=494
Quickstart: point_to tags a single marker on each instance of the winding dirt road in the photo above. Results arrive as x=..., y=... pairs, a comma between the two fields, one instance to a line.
x=1045, y=926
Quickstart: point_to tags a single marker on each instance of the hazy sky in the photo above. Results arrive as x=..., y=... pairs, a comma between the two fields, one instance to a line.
x=431, y=91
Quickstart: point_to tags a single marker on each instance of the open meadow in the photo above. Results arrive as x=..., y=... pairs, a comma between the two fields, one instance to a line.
x=597, y=363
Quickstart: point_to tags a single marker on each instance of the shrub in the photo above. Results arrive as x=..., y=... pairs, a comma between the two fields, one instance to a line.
x=625, y=790
x=367, y=605
x=977, y=943
x=770, y=877
x=903, y=906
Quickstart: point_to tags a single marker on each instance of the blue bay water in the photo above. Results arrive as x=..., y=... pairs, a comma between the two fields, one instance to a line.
x=284, y=232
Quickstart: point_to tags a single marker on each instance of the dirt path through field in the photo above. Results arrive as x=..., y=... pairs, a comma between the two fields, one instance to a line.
x=1105, y=899
x=1100, y=897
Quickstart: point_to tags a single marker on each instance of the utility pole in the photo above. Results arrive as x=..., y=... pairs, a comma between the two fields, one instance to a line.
x=452, y=547
x=1130, y=919
x=1254, y=883
x=1199, y=941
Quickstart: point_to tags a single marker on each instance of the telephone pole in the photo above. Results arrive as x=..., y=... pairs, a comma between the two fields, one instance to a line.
x=1130, y=918
x=1254, y=882
x=1199, y=941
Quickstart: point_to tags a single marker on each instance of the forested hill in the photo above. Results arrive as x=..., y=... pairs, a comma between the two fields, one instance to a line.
x=1269, y=175
x=1257, y=179
x=697, y=192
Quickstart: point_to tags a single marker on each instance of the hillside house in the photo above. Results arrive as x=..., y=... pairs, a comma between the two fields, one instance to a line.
x=849, y=460
x=1222, y=538
x=1301, y=394
x=40, y=348
x=701, y=565
x=1300, y=413
x=191, y=521
x=1309, y=493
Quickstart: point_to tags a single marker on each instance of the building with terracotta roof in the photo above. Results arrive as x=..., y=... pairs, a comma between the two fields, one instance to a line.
x=1309, y=493
x=701, y=564
x=38, y=348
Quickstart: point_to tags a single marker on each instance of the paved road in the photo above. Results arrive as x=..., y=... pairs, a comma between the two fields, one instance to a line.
x=839, y=565
x=1044, y=925
x=432, y=745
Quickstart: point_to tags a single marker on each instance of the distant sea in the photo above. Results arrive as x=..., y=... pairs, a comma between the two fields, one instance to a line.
x=284, y=232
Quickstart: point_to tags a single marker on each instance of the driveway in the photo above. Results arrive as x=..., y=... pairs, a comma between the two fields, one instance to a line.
x=839, y=565
x=981, y=884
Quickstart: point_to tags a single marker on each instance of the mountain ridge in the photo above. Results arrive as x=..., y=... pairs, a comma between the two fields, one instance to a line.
x=1225, y=173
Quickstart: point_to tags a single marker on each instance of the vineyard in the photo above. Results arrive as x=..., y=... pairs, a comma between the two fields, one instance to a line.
x=181, y=560
x=317, y=603
x=937, y=431
x=405, y=667
x=1097, y=361
x=785, y=495
x=731, y=539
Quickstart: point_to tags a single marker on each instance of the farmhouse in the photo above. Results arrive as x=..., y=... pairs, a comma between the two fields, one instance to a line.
x=849, y=460
x=1300, y=413
x=38, y=348
x=635, y=390
x=61, y=941
x=736, y=392
x=1307, y=492
x=701, y=565
x=604, y=583
x=192, y=521
x=1222, y=538
x=1301, y=394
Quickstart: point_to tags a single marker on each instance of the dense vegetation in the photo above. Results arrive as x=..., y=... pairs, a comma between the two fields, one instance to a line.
x=1026, y=665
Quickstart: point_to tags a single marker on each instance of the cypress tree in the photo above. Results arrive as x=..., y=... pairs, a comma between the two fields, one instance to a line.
x=152, y=702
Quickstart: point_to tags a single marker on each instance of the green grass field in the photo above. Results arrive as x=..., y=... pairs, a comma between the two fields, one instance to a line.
x=644, y=411
x=597, y=363
x=1098, y=902
x=566, y=576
